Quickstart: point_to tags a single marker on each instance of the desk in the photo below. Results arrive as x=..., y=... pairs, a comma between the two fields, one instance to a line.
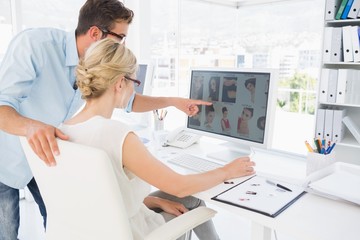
x=309, y=218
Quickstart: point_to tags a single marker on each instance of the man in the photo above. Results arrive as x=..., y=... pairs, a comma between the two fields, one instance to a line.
x=37, y=92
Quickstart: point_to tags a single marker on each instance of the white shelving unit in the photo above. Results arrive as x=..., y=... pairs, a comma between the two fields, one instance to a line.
x=348, y=149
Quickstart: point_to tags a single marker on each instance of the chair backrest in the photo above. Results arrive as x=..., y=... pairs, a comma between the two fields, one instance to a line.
x=81, y=194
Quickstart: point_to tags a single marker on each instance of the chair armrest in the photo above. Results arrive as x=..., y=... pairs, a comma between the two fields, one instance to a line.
x=182, y=224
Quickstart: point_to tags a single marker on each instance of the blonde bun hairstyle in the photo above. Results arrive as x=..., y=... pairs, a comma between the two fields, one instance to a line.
x=104, y=62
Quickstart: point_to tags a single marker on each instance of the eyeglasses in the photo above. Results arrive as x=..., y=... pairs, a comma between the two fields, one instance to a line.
x=121, y=38
x=137, y=82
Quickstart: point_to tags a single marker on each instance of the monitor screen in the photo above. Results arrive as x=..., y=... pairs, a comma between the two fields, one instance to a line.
x=145, y=75
x=241, y=107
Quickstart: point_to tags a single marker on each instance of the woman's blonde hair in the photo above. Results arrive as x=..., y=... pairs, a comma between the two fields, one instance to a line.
x=104, y=62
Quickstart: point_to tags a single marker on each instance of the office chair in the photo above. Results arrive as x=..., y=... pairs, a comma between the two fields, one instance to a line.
x=83, y=199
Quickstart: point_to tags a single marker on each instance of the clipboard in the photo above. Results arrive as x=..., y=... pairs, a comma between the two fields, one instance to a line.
x=257, y=195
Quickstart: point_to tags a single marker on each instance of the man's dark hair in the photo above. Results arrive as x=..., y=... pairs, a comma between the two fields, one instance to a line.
x=102, y=13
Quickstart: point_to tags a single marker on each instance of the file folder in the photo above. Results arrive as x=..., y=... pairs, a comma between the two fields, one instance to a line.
x=331, y=8
x=353, y=93
x=347, y=44
x=327, y=44
x=336, y=45
x=354, y=10
x=332, y=85
x=338, y=125
x=320, y=122
x=323, y=91
x=343, y=76
x=328, y=126
x=341, y=9
x=355, y=43
x=347, y=8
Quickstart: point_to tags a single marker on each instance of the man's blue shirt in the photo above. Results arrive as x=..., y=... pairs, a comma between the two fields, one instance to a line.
x=36, y=79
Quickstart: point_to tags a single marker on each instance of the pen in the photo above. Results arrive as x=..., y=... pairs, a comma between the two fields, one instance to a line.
x=156, y=113
x=309, y=147
x=163, y=114
x=323, y=150
x=328, y=151
x=278, y=185
x=317, y=144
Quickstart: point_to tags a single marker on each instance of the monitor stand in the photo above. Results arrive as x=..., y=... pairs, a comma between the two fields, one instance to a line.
x=231, y=152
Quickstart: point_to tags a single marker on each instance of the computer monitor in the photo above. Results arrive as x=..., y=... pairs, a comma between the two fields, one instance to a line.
x=242, y=109
x=145, y=75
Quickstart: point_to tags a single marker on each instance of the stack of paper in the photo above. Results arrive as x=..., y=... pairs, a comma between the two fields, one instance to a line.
x=339, y=181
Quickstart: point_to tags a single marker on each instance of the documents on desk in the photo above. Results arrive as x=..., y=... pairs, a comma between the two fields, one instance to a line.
x=261, y=195
x=339, y=181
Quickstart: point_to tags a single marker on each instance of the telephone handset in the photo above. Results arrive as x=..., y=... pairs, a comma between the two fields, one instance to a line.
x=181, y=138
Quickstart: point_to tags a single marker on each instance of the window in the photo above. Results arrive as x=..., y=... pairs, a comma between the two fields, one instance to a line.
x=5, y=26
x=19, y=15
x=58, y=14
x=190, y=33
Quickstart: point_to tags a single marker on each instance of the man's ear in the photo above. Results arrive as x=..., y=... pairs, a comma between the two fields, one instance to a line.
x=95, y=33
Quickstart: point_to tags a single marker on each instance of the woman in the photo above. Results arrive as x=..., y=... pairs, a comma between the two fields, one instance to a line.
x=243, y=121
x=197, y=88
x=209, y=117
x=105, y=78
x=250, y=86
x=225, y=123
x=214, y=83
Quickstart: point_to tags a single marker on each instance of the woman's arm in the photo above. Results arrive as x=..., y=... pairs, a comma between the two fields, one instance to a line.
x=168, y=206
x=138, y=160
x=144, y=103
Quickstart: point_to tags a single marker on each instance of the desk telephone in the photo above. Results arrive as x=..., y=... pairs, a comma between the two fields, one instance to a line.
x=181, y=138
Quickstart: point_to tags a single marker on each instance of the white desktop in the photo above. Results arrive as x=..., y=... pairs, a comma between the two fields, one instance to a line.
x=311, y=217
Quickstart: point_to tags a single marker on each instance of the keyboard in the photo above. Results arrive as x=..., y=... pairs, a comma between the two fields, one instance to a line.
x=194, y=163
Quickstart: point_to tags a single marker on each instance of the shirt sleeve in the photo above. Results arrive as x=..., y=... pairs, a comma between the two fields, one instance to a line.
x=129, y=106
x=19, y=69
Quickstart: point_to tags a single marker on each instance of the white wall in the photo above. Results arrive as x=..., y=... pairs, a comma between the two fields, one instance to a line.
x=139, y=37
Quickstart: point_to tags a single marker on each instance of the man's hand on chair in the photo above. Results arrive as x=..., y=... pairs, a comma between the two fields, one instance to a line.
x=42, y=139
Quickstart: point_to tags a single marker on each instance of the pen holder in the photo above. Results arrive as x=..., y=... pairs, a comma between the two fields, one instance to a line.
x=317, y=161
x=158, y=124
